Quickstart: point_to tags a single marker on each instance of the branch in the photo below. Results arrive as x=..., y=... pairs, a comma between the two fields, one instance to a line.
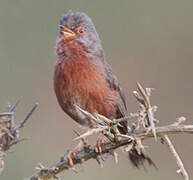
x=170, y=129
x=21, y=125
x=178, y=160
x=142, y=129
x=9, y=131
x=86, y=153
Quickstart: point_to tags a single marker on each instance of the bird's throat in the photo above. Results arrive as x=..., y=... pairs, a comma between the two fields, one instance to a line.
x=69, y=47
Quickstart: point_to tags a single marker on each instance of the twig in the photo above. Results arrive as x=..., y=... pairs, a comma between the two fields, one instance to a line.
x=181, y=170
x=147, y=104
x=27, y=116
x=12, y=108
x=6, y=114
x=89, y=153
x=127, y=118
x=9, y=131
x=170, y=129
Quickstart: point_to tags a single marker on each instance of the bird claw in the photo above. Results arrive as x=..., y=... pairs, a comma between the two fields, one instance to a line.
x=98, y=147
x=70, y=159
x=73, y=154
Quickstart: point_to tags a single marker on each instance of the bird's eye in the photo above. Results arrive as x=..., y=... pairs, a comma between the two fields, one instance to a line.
x=80, y=30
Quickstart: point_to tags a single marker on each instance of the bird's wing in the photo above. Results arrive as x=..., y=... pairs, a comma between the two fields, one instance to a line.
x=114, y=84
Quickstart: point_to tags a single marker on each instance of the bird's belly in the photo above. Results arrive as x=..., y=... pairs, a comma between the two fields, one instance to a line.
x=85, y=87
x=91, y=94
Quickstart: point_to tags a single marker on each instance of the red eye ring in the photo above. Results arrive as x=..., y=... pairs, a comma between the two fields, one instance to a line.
x=80, y=30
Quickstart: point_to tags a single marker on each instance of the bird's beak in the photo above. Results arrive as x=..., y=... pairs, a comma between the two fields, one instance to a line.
x=64, y=31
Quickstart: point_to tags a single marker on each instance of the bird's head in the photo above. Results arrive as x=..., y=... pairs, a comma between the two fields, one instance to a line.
x=79, y=27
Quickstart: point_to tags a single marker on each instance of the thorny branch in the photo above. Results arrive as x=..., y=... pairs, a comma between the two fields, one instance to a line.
x=87, y=153
x=9, y=131
x=178, y=160
x=143, y=128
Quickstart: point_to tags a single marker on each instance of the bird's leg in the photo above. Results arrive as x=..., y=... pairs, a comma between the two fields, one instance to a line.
x=99, y=144
x=73, y=153
x=77, y=148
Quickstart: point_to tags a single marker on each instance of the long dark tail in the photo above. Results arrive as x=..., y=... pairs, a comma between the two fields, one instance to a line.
x=139, y=157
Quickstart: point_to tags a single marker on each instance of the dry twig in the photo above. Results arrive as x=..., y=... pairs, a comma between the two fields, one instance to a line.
x=177, y=157
x=9, y=131
x=87, y=153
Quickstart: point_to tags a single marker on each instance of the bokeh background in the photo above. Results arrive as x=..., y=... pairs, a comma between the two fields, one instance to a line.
x=146, y=41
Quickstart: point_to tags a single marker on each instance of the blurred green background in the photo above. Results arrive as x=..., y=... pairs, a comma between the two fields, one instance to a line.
x=147, y=41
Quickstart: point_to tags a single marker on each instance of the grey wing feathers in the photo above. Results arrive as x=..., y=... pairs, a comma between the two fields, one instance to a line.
x=115, y=85
x=121, y=104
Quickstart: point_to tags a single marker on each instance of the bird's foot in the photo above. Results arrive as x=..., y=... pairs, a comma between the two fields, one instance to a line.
x=98, y=147
x=73, y=154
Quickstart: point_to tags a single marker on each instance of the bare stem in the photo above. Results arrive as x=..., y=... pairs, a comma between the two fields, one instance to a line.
x=87, y=153
x=9, y=131
x=181, y=170
x=27, y=116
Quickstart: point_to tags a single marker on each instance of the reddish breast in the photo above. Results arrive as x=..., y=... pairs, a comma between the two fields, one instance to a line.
x=80, y=81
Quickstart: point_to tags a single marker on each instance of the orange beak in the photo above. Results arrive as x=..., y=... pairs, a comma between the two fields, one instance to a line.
x=66, y=32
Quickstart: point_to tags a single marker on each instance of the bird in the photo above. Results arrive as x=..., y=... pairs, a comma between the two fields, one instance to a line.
x=83, y=78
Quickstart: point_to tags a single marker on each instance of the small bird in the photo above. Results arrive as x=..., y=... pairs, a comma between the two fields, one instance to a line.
x=83, y=78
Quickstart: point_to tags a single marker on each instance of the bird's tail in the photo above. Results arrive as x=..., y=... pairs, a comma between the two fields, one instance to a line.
x=139, y=156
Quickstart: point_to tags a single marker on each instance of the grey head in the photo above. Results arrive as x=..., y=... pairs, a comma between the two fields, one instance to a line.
x=81, y=27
